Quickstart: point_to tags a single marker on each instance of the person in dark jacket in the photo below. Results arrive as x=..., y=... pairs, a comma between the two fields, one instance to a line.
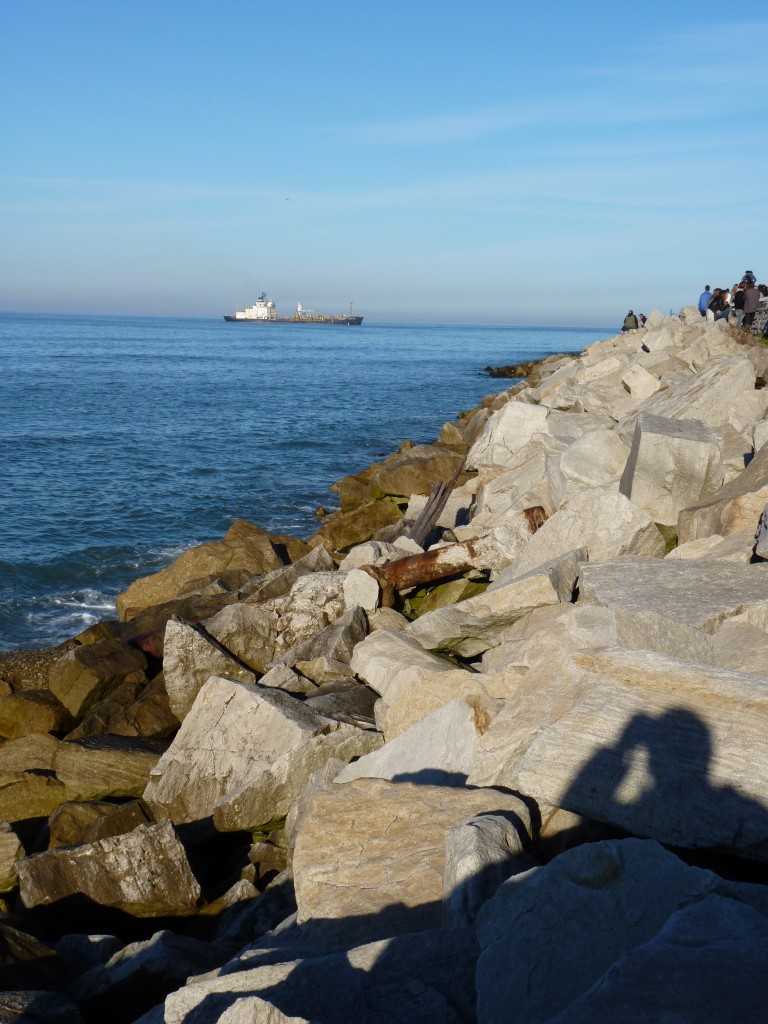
x=630, y=322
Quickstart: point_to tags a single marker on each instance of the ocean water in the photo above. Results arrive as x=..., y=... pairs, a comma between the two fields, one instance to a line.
x=125, y=440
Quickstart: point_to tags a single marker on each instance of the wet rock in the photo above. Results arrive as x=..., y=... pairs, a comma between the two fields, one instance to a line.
x=32, y=711
x=415, y=471
x=28, y=670
x=346, y=529
x=85, y=674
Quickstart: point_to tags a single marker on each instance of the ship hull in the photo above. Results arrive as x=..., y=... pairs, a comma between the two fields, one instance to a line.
x=345, y=321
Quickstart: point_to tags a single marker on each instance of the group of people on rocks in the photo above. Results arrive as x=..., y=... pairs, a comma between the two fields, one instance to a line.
x=632, y=321
x=737, y=304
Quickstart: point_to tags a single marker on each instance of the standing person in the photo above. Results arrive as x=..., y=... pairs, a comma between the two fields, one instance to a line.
x=630, y=322
x=751, y=302
x=750, y=277
x=738, y=304
x=704, y=298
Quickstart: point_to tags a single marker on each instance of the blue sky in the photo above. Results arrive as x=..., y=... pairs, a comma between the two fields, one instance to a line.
x=447, y=162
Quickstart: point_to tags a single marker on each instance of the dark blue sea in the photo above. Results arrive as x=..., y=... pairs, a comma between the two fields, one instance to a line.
x=124, y=440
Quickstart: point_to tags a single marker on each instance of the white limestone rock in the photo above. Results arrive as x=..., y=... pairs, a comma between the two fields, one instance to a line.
x=391, y=661
x=592, y=460
x=640, y=382
x=602, y=521
x=361, y=591
x=696, y=594
x=736, y=547
x=650, y=744
x=370, y=854
x=439, y=750
x=506, y=432
x=244, y=754
x=736, y=506
x=672, y=464
x=189, y=660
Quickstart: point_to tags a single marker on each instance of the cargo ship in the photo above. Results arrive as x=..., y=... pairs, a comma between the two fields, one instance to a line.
x=263, y=312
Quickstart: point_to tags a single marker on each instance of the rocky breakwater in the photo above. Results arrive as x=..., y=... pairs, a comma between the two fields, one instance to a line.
x=491, y=745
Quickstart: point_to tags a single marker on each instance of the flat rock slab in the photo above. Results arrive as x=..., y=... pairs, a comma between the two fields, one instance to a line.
x=663, y=748
x=390, y=661
x=370, y=854
x=690, y=592
x=244, y=754
x=549, y=935
x=145, y=873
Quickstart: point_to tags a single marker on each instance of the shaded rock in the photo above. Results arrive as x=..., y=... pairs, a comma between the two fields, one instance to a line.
x=146, y=630
x=415, y=979
x=79, y=952
x=85, y=674
x=244, y=756
x=672, y=464
x=37, y=1007
x=323, y=670
x=476, y=624
x=736, y=506
x=480, y=854
x=352, y=703
x=32, y=711
x=11, y=852
x=601, y=900
x=650, y=744
x=370, y=854
x=133, y=709
x=144, y=873
x=706, y=964
x=69, y=821
x=141, y=974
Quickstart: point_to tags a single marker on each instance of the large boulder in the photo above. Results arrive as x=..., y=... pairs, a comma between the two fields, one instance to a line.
x=736, y=506
x=672, y=464
x=415, y=471
x=246, y=550
x=244, y=754
x=549, y=935
x=87, y=673
x=651, y=744
x=598, y=519
x=506, y=432
x=369, y=857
